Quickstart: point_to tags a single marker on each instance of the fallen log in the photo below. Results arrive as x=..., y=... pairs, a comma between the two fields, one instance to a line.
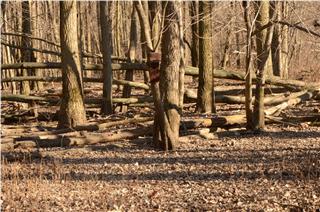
x=88, y=139
x=189, y=70
x=191, y=95
x=52, y=100
x=103, y=126
x=302, y=96
x=85, y=79
x=57, y=65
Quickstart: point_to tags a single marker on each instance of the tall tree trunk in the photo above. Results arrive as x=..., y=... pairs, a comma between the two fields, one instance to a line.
x=106, y=47
x=145, y=36
x=263, y=39
x=34, y=21
x=154, y=21
x=195, y=33
x=26, y=42
x=72, y=111
x=279, y=47
x=170, y=75
x=205, y=88
x=248, y=77
x=132, y=54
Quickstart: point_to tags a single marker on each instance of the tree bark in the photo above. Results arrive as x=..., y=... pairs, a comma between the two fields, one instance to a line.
x=26, y=42
x=170, y=78
x=279, y=47
x=132, y=54
x=248, y=76
x=263, y=40
x=195, y=33
x=205, y=89
x=72, y=111
x=106, y=45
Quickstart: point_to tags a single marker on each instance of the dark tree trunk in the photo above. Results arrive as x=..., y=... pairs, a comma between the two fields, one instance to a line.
x=106, y=47
x=132, y=54
x=205, y=89
x=26, y=42
x=195, y=33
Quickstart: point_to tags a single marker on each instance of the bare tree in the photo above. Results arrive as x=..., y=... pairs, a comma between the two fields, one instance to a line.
x=72, y=110
x=106, y=46
x=131, y=53
x=248, y=91
x=263, y=39
x=26, y=42
x=205, y=102
x=195, y=33
x=170, y=77
x=279, y=47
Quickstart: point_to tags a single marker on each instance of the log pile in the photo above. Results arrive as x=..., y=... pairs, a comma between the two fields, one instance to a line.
x=86, y=134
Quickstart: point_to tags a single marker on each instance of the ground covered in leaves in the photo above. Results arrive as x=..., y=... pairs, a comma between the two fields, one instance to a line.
x=278, y=169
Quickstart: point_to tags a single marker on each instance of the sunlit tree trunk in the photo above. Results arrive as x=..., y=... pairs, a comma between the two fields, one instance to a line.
x=248, y=78
x=263, y=39
x=170, y=78
x=72, y=110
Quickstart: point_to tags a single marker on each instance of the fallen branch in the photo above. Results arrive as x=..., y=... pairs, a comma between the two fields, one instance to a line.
x=269, y=100
x=303, y=96
x=85, y=79
x=51, y=100
x=188, y=71
x=66, y=141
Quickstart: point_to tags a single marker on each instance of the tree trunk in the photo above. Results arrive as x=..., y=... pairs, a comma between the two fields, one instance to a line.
x=169, y=77
x=26, y=42
x=106, y=46
x=248, y=76
x=195, y=34
x=263, y=39
x=72, y=111
x=132, y=54
x=279, y=47
x=205, y=92
x=154, y=20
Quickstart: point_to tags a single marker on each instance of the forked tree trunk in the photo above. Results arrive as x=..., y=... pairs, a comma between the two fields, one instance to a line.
x=205, y=89
x=263, y=39
x=72, y=111
x=106, y=45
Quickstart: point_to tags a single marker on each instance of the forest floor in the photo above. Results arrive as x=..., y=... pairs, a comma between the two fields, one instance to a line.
x=237, y=170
